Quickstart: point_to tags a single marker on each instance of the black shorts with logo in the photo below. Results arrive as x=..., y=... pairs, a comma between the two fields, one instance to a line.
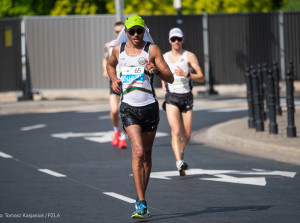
x=111, y=90
x=184, y=102
x=146, y=116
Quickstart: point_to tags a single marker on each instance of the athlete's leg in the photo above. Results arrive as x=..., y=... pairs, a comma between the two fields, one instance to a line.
x=148, y=139
x=114, y=109
x=187, y=119
x=174, y=118
x=134, y=133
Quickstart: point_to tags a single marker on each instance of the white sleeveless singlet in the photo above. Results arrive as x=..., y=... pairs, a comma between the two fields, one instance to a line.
x=181, y=85
x=137, y=81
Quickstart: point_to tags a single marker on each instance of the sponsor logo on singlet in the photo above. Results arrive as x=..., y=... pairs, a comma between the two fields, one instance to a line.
x=142, y=60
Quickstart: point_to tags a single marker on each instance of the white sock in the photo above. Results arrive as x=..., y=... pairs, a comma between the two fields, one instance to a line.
x=178, y=164
x=116, y=129
x=122, y=136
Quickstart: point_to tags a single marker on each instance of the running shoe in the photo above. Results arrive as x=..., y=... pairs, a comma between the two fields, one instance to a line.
x=115, y=140
x=122, y=144
x=183, y=166
x=136, y=203
x=183, y=157
x=141, y=211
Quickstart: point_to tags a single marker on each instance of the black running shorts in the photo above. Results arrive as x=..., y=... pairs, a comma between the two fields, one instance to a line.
x=146, y=116
x=111, y=90
x=184, y=102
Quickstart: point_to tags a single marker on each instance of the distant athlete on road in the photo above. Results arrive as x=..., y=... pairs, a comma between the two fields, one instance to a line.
x=114, y=98
x=179, y=98
x=140, y=60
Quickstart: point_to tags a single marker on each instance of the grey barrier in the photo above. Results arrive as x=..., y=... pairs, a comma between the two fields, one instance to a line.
x=66, y=52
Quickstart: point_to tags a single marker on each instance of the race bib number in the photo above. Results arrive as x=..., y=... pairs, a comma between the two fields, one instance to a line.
x=132, y=77
x=179, y=82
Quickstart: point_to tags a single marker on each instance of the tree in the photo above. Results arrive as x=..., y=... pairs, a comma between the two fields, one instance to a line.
x=79, y=7
x=292, y=5
x=9, y=8
x=147, y=7
x=155, y=7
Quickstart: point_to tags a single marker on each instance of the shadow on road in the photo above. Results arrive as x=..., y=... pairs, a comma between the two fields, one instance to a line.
x=208, y=210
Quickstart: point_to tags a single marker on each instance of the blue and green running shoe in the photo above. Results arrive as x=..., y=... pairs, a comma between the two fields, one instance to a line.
x=136, y=204
x=141, y=211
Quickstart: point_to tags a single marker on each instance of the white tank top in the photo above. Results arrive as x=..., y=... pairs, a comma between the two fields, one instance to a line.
x=181, y=85
x=137, y=81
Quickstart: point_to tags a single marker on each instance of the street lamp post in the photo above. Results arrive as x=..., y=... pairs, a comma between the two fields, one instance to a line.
x=119, y=7
x=177, y=6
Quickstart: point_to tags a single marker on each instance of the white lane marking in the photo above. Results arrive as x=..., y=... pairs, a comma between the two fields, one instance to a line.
x=222, y=175
x=93, y=108
x=4, y=155
x=103, y=117
x=99, y=137
x=258, y=181
x=33, y=127
x=50, y=172
x=206, y=108
x=229, y=109
x=119, y=196
x=233, y=101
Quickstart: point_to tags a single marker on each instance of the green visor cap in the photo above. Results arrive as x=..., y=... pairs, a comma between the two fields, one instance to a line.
x=134, y=20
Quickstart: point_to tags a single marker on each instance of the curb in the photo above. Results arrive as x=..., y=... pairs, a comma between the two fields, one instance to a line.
x=216, y=136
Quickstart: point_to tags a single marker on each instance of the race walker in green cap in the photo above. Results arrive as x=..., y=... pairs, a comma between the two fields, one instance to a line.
x=140, y=61
x=134, y=20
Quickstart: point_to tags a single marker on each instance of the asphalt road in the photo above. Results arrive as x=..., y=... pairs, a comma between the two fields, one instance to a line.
x=60, y=167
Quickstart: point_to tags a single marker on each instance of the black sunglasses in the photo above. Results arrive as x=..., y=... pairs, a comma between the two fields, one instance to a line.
x=173, y=39
x=131, y=32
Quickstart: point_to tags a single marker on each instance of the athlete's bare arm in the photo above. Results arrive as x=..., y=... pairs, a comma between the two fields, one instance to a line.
x=105, y=59
x=193, y=64
x=111, y=69
x=157, y=58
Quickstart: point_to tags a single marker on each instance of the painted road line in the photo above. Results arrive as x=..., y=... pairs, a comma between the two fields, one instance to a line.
x=229, y=109
x=50, y=172
x=99, y=137
x=4, y=155
x=119, y=196
x=223, y=175
x=200, y=108
x=257, y=181
x=33, y=127
x=103, y=117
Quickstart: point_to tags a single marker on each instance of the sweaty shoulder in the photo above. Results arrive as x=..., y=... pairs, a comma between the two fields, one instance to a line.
x=154, y=50
x=190, y=56
x=154, y=47
x=117, y=47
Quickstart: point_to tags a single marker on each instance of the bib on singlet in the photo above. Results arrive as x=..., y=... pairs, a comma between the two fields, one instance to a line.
x=132, y=77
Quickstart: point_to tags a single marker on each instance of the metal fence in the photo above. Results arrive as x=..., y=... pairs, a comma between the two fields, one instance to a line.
x=240, y=40
x=292, y=40
x=10, y=54
x=66, y=52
